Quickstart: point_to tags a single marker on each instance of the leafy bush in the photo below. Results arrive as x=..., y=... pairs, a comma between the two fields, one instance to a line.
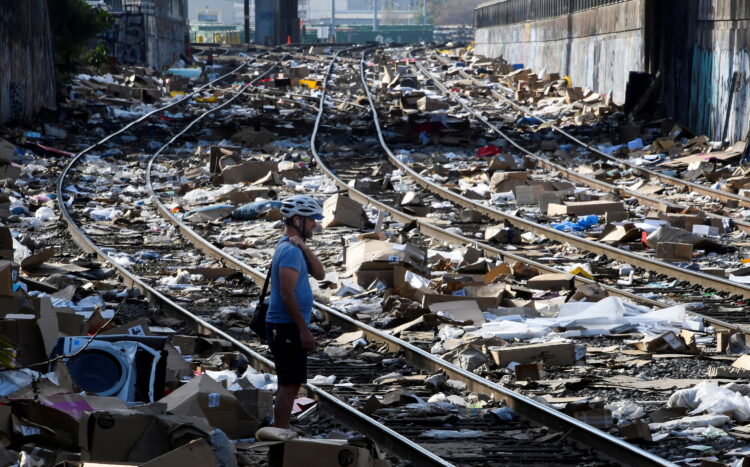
x=75, y=27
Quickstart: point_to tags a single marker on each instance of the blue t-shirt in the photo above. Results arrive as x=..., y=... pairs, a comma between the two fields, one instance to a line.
x=289, y=256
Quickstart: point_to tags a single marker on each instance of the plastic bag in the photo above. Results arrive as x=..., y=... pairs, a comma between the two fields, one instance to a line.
x=252, y=211
x=710, y=398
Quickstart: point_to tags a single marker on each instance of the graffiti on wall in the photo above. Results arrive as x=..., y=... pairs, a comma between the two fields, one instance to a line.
x=710, y=89
x=16, y=98
x=130, y=46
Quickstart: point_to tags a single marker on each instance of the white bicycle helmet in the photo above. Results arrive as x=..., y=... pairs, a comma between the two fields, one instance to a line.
x=301, y=205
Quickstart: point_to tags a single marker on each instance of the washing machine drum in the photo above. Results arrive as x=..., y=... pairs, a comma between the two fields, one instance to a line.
x=101, y=371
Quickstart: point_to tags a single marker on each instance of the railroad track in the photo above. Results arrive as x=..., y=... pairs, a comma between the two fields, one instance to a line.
x=706, y=281
x=728, y=322
x=413, y=354
x=658, y=203
x=648, y=173
x=349, y=417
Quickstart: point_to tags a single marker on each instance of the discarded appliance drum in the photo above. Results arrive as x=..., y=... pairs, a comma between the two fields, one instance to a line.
x=128, y=367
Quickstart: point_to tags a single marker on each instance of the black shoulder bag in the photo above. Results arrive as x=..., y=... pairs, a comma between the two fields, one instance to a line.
x=258, y=322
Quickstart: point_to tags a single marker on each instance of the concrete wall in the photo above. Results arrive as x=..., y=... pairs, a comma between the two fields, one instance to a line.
x=595, y=48
x=720, y=47
x=156, y=39
x=27, y=74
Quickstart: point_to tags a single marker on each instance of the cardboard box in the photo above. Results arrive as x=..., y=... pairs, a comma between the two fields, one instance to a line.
x=548, y=197
x=253, y=138
x=584, y=208
x=204, y=397
x=321, y=453
x=529, y=371
x=256, y=402
x=341, y=210
x=25, y=335
x=428, y=104
x=7, y=151
x=298, y=72
x=502, y=182
x=197, y=453
x=460, y=310
x=6, y=244
x=8, y=276
x=503, y=162
x=683, y=221
x=552, y=354
x=379, y=255
x=674, y=251
x=666, y=342
x=484, y=303
x=598, y=418
x=528, y=194
x=706, y=230
x=551, y=281
x=637, y=430
x=389, y=277
x=129, y=436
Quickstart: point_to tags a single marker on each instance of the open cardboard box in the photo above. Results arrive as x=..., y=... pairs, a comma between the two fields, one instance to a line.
x=322, y=453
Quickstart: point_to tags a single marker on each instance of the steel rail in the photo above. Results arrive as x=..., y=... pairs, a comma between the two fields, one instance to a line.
x=644, y=199
x=669, y=180
x=711, y=320
x=385, y=437
x=414, y=355
x=693, y=277
x=611, y=447
x=608, y=446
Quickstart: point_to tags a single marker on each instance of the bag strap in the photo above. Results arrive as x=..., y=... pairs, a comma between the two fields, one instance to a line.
x=265, y=287
x=263, y=292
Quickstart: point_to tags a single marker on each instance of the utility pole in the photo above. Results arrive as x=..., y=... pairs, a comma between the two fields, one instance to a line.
x=247, y=21
x=375, y=25
x=332, y=32
x=424, y=12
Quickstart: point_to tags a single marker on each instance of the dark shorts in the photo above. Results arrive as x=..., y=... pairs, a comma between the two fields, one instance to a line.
x=288, y=355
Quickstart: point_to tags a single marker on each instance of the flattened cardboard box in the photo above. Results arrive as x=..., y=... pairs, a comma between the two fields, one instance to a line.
x=250, y=171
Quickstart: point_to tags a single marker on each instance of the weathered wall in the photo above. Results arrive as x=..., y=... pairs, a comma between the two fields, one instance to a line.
x=157, y=37
x=720, y=47
x=596, y=47
x=27, y=75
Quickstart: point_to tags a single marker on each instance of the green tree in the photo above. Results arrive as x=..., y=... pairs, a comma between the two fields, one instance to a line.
x=75, y=28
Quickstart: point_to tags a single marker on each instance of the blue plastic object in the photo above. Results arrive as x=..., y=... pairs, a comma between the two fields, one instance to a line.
x=531, y=121
x=251, y=211
x=581, y=224
x=505, y=414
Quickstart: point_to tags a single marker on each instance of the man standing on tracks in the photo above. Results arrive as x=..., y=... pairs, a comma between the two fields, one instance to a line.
x=291, y=301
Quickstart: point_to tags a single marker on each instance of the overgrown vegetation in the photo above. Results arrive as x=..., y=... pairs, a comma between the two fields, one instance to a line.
x=443, y=12
x=75, y=29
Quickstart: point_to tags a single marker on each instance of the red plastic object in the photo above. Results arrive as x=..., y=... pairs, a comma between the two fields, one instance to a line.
x=488, y=151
